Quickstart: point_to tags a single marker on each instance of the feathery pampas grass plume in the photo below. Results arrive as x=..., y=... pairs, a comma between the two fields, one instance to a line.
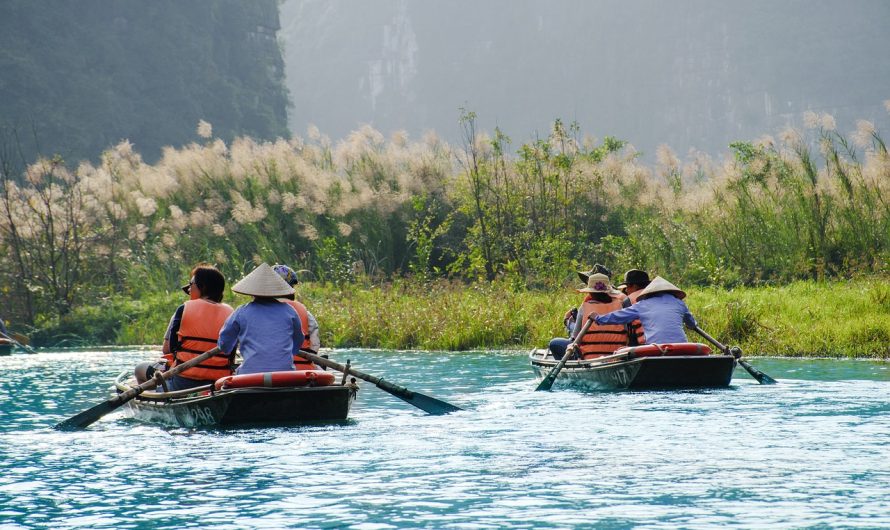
x=205, y=130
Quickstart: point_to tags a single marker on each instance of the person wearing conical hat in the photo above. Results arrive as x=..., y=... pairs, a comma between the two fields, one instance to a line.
x=599, y=340
x=267, y=332
x=661, y=310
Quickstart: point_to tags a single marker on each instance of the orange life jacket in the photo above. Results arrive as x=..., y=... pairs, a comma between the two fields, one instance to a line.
x=299, y=362
x=605, y=339
x=199, y=332
x=635, y=328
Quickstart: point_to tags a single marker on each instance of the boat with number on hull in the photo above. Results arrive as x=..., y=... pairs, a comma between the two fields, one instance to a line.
x=253, y=399
x=650, y=366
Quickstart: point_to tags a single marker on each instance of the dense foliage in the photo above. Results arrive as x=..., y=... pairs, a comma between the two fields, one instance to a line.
x=80, y=76
x=367, y=210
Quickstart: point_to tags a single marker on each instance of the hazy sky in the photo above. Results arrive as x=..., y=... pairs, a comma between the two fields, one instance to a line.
x=693, y=73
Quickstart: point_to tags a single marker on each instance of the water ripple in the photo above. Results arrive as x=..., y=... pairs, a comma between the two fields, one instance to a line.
x=809, y=452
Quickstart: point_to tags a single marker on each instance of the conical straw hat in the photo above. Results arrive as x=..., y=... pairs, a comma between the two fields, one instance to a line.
x=660, y=285
x=263, y=281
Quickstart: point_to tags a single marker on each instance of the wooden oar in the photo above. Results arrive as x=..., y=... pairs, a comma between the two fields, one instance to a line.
x=550, y=378
x=87, y=417
x=736, y=352
x=17, y=343
x=425, y=403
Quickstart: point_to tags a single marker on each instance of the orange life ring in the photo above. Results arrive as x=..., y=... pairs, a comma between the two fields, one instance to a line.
x=293, y=378
x=668, y=350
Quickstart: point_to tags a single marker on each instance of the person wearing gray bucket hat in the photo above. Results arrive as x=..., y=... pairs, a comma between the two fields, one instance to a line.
x=267, y=332
x=661, y=310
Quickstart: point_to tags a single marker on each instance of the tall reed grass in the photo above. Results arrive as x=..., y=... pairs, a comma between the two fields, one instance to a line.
x=376, y=210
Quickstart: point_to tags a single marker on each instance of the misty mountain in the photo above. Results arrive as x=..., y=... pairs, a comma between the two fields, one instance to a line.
x=692, y=73
x=78, y=77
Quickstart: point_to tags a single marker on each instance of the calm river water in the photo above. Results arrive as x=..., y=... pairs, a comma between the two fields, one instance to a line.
x=813, y=451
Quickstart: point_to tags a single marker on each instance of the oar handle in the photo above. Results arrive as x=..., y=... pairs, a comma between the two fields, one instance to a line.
x=318, y=359
x=736, y=352
x=17, y=343
x=549, y=379
x=714, y=341
x=426, y=403
x=165, y=375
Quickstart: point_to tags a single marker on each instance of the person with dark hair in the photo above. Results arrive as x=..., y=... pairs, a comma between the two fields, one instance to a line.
x=634, y=282
x=194, y=329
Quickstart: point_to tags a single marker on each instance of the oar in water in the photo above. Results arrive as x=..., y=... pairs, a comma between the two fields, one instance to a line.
x=425, y=403
x=736, y=352
x=89, y=416
x=550, y=378
x=18, y=343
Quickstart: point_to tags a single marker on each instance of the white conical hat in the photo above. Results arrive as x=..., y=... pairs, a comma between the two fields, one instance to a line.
x=263, y=281
x=660, y=285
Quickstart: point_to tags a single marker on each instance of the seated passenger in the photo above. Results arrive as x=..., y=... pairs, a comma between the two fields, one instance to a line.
x=634, y=282
x=267, y=332
x=661, y=310
x=194, y=329
x=571, y=316
x=311, y=341
x=599, y=339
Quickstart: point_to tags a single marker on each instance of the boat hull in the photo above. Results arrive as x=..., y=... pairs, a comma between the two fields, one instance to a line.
x=245, y=406
x=6, y=347
x=629, y=372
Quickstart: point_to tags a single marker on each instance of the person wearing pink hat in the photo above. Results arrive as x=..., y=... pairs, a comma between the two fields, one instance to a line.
x=599, y=339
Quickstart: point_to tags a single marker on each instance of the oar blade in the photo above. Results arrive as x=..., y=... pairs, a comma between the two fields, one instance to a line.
x=88, y=417
x=547, y=382
x=761, y=377
x=428, y=404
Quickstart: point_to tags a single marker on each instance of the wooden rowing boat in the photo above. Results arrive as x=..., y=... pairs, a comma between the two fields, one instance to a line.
x=6, y=346
x=254, y=405
x=630, y=368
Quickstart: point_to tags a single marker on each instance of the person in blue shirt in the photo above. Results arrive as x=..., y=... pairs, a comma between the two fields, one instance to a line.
x=661, y=310
x=266, y=332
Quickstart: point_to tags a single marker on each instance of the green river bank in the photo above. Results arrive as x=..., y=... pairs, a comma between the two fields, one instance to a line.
x=849, y=319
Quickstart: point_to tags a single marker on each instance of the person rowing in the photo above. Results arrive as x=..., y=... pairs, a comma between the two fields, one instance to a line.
x=661, y=310
x=267, y=332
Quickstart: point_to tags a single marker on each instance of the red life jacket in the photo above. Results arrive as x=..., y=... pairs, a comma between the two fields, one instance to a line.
x=199, y=332
x=299, y=362
x=605, y=339
x=635, y=328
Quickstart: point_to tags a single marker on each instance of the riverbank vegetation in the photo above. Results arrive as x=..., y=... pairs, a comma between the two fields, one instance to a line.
x=490, y=230
x=801, y=319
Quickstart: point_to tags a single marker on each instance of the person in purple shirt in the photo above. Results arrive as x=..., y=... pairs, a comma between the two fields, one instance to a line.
x=267, y=332
x=661, y=310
